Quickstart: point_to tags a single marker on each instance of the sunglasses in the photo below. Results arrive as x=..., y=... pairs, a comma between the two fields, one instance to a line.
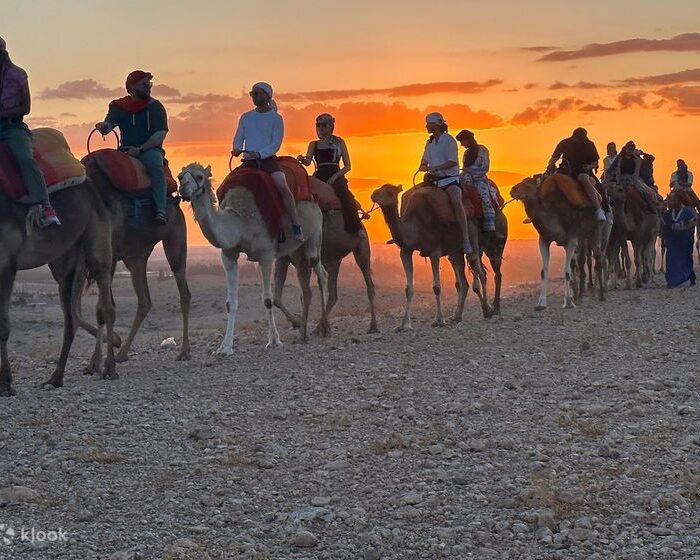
x=255, y=93
x=321, y=124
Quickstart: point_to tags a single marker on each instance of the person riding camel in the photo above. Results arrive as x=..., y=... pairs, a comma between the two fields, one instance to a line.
x=328, y=152
x=439, y=161
x=646, y=171
x=626, y=172
x=258, y=138
x=15, y=103
x=579, y=158
x=608, y=160
x=475, y=166
x=143, y=124
x=682, y=180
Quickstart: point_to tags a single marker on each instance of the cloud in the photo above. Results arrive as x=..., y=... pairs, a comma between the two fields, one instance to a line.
x=579, y=85
x=685, y=99
x=687, y=42
x=546, y=110
x=530, y=85
x=542, y=48
x=690, y=75
x=79, y=89
x=410, y=90
x=35, y=122
x=67, y=115
x=590, y=107
x=631, y=99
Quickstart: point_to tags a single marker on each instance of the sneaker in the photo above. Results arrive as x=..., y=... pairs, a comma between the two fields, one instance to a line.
x=298, y=233
x=600, y=215
x=161, y=218
x=48, y=217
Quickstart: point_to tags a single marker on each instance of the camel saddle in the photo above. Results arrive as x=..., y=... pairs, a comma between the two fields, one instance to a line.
x=262, y=187
x=58, y=165
x=573, y=191
x=438, y=201
x=127, y=173
x=472, y=201
x=324, y=195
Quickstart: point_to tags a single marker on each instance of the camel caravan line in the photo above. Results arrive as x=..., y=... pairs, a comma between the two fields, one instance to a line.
x=103, y=205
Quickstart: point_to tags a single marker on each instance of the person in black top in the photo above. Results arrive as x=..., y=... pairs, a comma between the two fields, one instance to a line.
x=627, y=170
x=143, y=125
x=579, y=158
x=328, y=152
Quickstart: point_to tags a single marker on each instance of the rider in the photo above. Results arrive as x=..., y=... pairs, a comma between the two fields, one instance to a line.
x=626, y=172
x=682, y=179
x=579, y=158
x=258, y=137
x=143, y=124
x=15, y=102
x=439, y=160
x=646, y=171
x=475, y=166
x=609, y=159
x=328, y=151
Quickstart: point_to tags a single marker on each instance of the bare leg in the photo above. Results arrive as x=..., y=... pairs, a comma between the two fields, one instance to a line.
x=587, y=182
x=455, y=194
x=435, y=267
x=407, y=262
x=230, y=262
x=544, y=252
x=273, y=336
x=176, y=252
x=287, y=196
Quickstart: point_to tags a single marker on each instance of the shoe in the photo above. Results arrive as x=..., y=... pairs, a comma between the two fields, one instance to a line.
x=48, y=217
x=161, y=218
x=600, y=215
x=527, y=221
x=298, y=233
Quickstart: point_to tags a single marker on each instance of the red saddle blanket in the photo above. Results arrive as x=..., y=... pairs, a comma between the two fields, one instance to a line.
x=262, y=187
x=127, y=173
x=58, y=165
x=472, y=201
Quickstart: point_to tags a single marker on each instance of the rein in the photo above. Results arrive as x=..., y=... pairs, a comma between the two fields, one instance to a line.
x=103, y=138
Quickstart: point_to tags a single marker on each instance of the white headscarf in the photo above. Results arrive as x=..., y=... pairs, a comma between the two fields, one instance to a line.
x=267, y=88
x=435, y=118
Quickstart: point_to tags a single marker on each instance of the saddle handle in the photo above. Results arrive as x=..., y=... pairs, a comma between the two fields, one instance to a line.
x=103, y=138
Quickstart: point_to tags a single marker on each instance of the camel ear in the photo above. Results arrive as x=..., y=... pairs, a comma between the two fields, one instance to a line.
x=207, y=171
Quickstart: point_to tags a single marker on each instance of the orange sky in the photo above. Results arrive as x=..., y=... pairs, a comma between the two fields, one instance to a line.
x=522, y=75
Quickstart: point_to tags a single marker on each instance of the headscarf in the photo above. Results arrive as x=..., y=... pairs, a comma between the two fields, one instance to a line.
x=435, y=118
x=267, y=88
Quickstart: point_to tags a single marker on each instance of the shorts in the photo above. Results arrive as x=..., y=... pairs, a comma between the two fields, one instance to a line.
x=268, y=165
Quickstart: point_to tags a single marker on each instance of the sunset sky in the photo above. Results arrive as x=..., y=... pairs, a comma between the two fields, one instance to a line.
x=521, y=74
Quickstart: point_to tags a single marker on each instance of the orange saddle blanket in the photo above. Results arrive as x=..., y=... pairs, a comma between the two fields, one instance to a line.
x=572, y=190
x=267, y=198
x=127, y=173
x=58, y=165
x=438, y=201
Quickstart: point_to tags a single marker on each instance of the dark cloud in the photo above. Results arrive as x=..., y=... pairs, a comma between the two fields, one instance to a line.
x=80, y=89
x=690, y=75
x=685, y=99
x=687, y=42
x=590, y=107
x=630, y=99
x=543, y=48
x=547, y=110
x=579, y=85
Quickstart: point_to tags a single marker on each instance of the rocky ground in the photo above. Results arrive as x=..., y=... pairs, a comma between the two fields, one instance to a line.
x=557, y=434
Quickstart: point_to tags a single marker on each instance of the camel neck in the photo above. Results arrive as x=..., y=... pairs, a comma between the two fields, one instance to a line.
x=391, y=217
x=209, y=218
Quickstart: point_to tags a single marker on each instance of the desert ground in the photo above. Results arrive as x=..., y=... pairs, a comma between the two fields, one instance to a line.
x=533, y=435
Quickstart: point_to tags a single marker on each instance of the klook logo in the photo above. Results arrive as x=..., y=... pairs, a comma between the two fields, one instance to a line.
x=7, y=533
x=30, y=534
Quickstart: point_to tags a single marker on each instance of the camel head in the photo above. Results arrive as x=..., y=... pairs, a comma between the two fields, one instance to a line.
x=616, y=192
x=526, y=189
x=386, y=195
x=194, y=180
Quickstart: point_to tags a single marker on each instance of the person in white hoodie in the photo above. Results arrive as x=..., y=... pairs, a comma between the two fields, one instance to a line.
x=258, y=138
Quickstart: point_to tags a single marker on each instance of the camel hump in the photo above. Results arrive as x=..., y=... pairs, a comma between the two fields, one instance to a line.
x=324, y=195
x=573, y=191
x=59, y=166
x=434, y=198
x=297, y=178
x=127, y=174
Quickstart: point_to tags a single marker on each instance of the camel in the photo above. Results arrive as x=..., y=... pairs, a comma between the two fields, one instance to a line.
x=420, y=231
x=80, y=245
x=133, y=244
x=634, y=223
x=236, y=226
x=337, y=244
x=493, y=246
x=556, y=220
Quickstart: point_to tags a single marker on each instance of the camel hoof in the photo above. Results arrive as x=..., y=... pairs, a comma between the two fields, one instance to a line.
x=456, y=320
x=224, y=351
x=438, y=323
x=274, y=344
x=6, y=390
x=373, y=329
x=183, y=356
x=540, y=307
x=569, y=305
x=52, y=383
x=110, y=374
x=403, y=328
x=93, y=367
x=122, y=357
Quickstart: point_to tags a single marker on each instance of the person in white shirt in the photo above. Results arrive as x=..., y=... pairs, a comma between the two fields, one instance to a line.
x=439, y=160
x=608, y=160
x=682, y=179
x=258, y=138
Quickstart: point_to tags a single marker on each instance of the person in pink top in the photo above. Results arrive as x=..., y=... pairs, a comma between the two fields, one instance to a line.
x=15, y=103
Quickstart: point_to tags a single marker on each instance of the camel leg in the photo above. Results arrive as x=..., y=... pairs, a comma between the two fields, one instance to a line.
x=175, y=248
x=230, y=262
x=7, y=280
x=496, y=260
x=457, y=262
x=570, y=253
x=589, y=266
x=69, y=275
x=304, y=278
x=83, y=324
x=105, y=311
x=637, y=264
x=581, y=260
x=544, y=274
x=407, y=262
x=435, y=267
x=626, y=265
x=273, y=336
x=362, y=257
x=280, y=277
x=328, y=287
x=137, y=267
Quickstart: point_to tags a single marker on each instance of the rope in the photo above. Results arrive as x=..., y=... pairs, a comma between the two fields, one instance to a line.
x=103, y=138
